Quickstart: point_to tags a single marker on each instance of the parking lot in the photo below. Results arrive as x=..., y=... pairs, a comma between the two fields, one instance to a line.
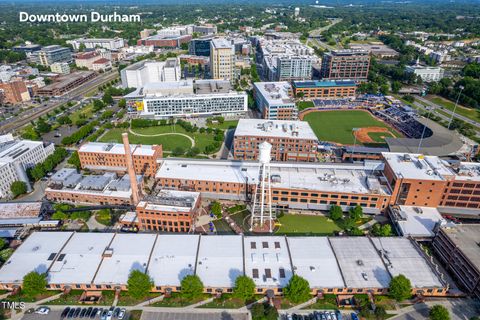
x=148, y=315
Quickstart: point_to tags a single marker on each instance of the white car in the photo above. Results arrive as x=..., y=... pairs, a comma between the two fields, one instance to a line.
x=42, y=310
x=122, y=314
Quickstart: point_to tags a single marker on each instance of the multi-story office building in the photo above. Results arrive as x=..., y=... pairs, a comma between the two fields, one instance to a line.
x=51, y=54
x=222, y=59
x=200, y=47
x=346, y=64
x=290, y=140
x=27, y=48
x=205, y=29
x=274, y=100
x=457, y=249
x=419, y=180
x=427, y=74
x=325, y=89
x=60, y=67
x=285, y=60
x=109, y=44
x=297, y=186
x=186, y=99
x=162, y=41
x=111, y=157
x=141, y=73
x=16, y=156
x=14, y=91
x=169, y=210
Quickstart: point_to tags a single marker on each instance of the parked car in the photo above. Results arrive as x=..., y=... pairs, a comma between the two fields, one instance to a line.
x=354, y=316
x=77, y=312
x=122, y=314
x=82, y=313
x=104, y=314
x=116, y=312
x=94, y=313
x=88, y=312
x=42, y=310
x=70, y=313
x=65, y=312
x=338, y=314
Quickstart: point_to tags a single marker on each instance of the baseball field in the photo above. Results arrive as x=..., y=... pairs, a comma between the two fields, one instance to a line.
x=337, y=127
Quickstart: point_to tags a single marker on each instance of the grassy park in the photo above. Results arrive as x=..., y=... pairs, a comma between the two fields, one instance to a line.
x=306, y=224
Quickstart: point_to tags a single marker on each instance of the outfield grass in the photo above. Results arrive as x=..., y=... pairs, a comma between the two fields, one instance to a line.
x=336, y=126
x=470, y=113
x=169, y=142
x=295, y=224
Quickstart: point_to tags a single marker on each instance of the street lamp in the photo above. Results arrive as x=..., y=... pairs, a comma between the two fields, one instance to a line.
x=455, y=108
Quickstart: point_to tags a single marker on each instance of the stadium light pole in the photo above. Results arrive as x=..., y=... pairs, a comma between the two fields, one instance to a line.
x=455, y=108
x=354, y=142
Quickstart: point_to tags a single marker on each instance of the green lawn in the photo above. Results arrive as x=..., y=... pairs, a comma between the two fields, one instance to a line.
x=230, y=124
x=228, y=301
x=336, y=126
x=86, y=110
x=176, y=301
x=470, y=113
x=329, y=302
x=302, y=105
x=295, y=224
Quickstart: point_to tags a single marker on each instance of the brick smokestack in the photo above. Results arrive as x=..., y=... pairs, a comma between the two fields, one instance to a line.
x=130, y=169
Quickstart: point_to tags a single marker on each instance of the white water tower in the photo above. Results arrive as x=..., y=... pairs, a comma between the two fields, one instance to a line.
x=262, y=201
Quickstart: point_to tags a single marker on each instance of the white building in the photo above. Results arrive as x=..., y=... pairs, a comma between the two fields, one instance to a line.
x=139, y=74
x=428, y=74
x=60, y=67
x=274, y=100
x=16, y=156
x=110, y=44
x=222, y=59
x=185, y=99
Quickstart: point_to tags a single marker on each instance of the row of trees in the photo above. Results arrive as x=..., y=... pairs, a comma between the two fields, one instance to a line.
x=79, y=134
x=40, y=169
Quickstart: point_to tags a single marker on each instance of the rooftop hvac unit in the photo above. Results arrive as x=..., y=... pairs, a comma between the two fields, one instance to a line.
x=360, y=262
x=108, y=253
x=417, y=210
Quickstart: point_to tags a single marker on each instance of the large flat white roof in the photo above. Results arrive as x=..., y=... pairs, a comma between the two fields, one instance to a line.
x=401, y=257
x=130, y=252
x=417, y=166
x=313, y=259
x=267, y=261
x=173, y=258
x=360, y=263
x=35, y=254
x=289, y=129
x=417, y=221
x=116, y=148
x=275, y=93
x=79, y=259
x=347, y=178
x=220, y=260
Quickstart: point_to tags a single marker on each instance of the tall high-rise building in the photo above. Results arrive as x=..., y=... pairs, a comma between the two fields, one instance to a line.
x=139, y=74
x=51, y=54
x=346, y=64
x=222, y=59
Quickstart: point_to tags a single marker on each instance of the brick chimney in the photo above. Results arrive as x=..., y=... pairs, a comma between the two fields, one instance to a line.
x=131, y=169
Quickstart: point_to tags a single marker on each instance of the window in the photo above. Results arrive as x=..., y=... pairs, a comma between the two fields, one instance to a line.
x=277, y=245
x=253, y=245
x=268, y=273
x=255, y=273
x=265, y=245
x=282, y=273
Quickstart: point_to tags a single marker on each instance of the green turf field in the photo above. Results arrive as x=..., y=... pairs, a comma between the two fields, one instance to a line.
x=336, y=126
x=296, y=224
x=169, y=142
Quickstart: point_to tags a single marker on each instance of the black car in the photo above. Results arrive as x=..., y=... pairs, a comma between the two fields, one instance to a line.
x=94, y=313
x=65, y=312
x=89, y=312
x=116, y=312
x=77, y=312
x=70, y=313
x=82, y=313
x=104, y=313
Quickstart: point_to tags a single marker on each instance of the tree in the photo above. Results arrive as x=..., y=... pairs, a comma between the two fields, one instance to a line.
x=382, y=230
x=297, y=290
x=34, y=284
x=74, y=160
x=336, y=212
x=192, y=287
x=356, y=213
x=178, y=151
x=3, y=243
x=107, y=98
x=258, y=311
x=122, y=103
x=439, y=312
x=216, y=209
x=18, y=188
x=59, y=215
x=5, y=254
x=400, y=288
x=380, y=313
x=244, y=288
x=139, y=284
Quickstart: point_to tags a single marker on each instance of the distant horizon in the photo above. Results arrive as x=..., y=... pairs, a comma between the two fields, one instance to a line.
x=258, y=2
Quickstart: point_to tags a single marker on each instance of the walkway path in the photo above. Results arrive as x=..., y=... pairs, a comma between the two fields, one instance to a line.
x=302, y=305
x=151, y=301
x=93, y=224
x=163, y=134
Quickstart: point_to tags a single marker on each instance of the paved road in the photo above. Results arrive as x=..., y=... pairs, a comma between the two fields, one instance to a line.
x=459, y=116
x=460, y=309
x=76, y=94
x=317, y=33
x=222, y=315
